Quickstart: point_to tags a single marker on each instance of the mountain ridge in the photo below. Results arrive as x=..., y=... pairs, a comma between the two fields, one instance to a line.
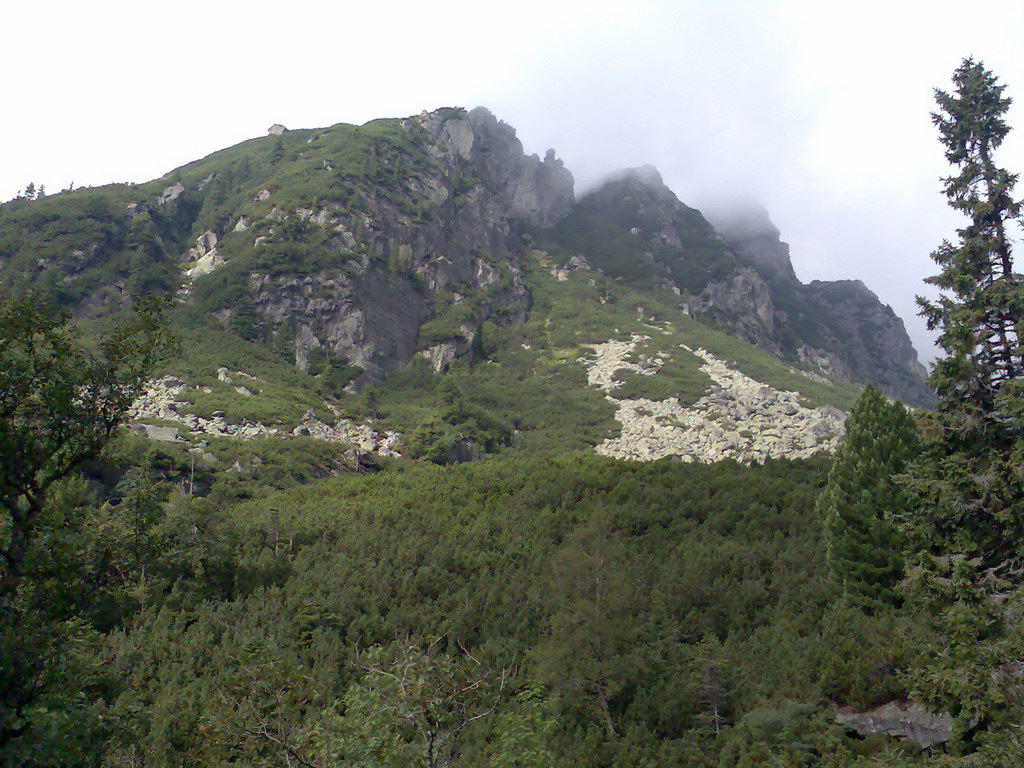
x=333, y=264
x=753, y=290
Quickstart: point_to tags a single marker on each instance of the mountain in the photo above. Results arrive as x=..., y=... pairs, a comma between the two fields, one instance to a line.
x=399, y=500
x=422, y=286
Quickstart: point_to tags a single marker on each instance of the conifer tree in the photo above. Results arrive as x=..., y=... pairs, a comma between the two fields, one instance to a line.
x=966, y=517
x=979, y=312
x=970, y=496
x=862, y=547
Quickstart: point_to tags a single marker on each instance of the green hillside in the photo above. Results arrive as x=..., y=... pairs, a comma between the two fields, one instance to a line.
x=529, y=379
x=451, y=469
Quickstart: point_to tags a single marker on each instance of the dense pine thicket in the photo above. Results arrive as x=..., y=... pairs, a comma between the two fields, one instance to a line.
x=643, y=614
x=863, y=549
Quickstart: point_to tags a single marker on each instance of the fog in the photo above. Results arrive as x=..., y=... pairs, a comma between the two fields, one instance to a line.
x=818, y=111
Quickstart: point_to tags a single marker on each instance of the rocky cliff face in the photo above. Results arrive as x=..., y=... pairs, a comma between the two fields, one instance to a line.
x=426, y=259
x=634, y=228
x=870, y=341
x=839, y=328
x=753, y=236
x=741, y=302
x=537, y=192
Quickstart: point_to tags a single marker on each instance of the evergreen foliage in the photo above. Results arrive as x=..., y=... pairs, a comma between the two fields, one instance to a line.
x=979, y=313
x=966, y=518
x=658, y=614
x=60, y=404
x=969, y=494
x=862, y=547
x=645, y=598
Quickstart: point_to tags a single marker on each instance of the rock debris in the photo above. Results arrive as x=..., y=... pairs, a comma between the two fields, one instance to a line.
x=739, y=418
x=160, y=401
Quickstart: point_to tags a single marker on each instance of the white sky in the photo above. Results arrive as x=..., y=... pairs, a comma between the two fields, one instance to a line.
x=818, y=110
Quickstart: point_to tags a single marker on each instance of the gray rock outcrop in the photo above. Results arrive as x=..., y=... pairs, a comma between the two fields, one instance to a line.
x=538, y=192
x=743, y=302
x=401, y=269
x=901, y=720
x=867, y=341
x=161, y=434
x=837, y=328
x=171, y=193
x=204, y=257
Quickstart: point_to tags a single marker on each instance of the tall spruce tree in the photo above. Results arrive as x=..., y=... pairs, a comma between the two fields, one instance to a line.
x=979, y=312
x=862, y=545
x=970, y=495
x=966, y=518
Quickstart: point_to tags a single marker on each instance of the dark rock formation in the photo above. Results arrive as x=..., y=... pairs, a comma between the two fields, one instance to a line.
x=753, y=236
x=539, y=192
x=634, y=228
x=457, y=264
x=868, y=342
x=839, y=328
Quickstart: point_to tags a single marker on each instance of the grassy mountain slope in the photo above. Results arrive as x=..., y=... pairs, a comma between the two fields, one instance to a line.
x=533, y=382
x=352, y=218
x=135, y=233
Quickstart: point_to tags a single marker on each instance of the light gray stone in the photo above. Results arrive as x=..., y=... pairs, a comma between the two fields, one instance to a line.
x=901, y=720
x=170, y=194
x=740, y=418
x=162, y=434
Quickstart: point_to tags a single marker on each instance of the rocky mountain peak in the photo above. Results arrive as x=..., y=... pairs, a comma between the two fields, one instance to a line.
x=642, y=176
x=642, y=185
x=639, y=199
x=747, y=228
x=746, y=218
x=539, y=192
x=838, y=327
